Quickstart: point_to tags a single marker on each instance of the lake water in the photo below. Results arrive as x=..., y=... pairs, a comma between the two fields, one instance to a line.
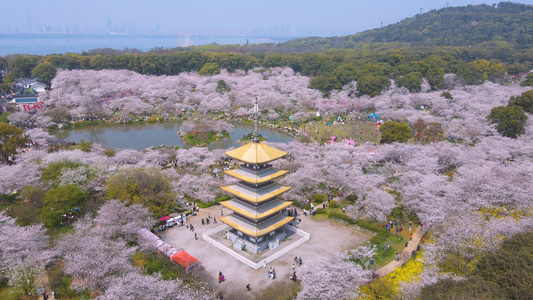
x=142, y=136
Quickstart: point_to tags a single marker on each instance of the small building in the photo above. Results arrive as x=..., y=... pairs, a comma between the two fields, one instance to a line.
x=22, y=84
x=24, y=99
x=38, y=87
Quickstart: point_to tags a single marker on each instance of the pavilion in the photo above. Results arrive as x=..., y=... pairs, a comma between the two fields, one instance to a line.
x=257, y=220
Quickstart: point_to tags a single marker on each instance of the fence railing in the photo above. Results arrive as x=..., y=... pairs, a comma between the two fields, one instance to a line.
x=304, y=237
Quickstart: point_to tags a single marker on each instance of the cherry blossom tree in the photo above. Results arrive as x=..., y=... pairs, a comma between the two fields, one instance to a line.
x=137, y=286
x=21, y=248
x=40, y=137
x=116, y=220
x=335, y=275
x=19, y=119
x=91, y=259
x=16, y=177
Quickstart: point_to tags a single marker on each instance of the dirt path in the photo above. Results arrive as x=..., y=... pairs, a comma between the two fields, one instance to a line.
x=42, y=281
x=404, y=256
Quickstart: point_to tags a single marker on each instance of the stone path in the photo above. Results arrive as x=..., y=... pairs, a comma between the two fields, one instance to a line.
x=404, y=256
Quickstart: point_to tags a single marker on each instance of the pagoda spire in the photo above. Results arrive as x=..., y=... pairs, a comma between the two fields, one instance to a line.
x=255, y=133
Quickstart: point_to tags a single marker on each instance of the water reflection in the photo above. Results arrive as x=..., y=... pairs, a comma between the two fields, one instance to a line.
x=143, y=135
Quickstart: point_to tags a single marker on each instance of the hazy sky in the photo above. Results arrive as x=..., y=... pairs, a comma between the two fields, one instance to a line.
x=337, y=17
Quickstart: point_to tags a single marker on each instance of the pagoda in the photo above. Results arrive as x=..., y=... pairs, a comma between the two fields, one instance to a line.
x=257, y=220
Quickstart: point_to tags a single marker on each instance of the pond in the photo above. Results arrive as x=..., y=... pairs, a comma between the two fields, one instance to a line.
x=145, y=135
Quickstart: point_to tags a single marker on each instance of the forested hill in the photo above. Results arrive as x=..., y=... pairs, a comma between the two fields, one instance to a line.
x=473, y=25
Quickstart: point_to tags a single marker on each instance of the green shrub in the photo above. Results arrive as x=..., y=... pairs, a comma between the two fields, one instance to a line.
x=380, y=237
x=373, y=226
x=110, y=152
x=154, y=266
x=447, y=95
x=168, y=275
x=320, y=211
x=333, y=204
x=342, y=217
x=400, y=213
x=319, y=198
x=350, y=199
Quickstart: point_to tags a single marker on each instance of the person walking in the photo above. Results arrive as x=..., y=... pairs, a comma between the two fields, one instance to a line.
x=293, y=268
x=300, y=260
x=248, y=287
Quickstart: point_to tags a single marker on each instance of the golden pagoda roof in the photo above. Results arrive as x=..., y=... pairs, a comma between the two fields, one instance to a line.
x=256, y=213
x=256, y=153
x=256, y=195
x=261, y=229
x=255, y=177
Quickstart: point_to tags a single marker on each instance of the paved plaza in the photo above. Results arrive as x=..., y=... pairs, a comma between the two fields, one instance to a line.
x=326, y=236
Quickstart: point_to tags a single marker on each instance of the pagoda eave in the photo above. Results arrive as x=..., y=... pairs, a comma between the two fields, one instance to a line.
x=256, y=153
x=250, y=230
x=269, y=209
x=254, y=197
x=254, y=179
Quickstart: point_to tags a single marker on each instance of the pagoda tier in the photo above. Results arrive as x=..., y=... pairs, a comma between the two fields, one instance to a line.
x=253, y=176
x=256, y=229
x=256, y=153
x=255, y=195
x=256, y=213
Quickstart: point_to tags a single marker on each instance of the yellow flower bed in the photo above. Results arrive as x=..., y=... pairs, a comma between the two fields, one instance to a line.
x=388, y=286
x=502, y=211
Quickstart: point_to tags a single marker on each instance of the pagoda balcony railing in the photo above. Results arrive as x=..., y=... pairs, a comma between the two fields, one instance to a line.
x=256, y=167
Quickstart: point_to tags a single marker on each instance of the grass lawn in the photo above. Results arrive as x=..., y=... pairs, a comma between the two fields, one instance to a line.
x=359, y=129
x=387, y=242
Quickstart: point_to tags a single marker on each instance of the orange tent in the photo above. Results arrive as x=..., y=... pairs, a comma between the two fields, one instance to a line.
x=184, y=259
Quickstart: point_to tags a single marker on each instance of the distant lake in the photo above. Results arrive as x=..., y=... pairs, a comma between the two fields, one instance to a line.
x=145, y=135
x=42, y=45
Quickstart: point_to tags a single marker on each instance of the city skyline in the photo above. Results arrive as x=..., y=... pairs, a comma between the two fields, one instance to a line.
x=213, y=18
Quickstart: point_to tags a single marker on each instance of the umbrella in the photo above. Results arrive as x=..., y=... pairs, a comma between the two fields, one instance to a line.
x=163, y=219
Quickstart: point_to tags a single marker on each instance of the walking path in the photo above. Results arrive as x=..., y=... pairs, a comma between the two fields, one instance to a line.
x=42, y=281
x=405, y=255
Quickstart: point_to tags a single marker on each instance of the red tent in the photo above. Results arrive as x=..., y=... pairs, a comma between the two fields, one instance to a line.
x=163, y=219
x=184, y=259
